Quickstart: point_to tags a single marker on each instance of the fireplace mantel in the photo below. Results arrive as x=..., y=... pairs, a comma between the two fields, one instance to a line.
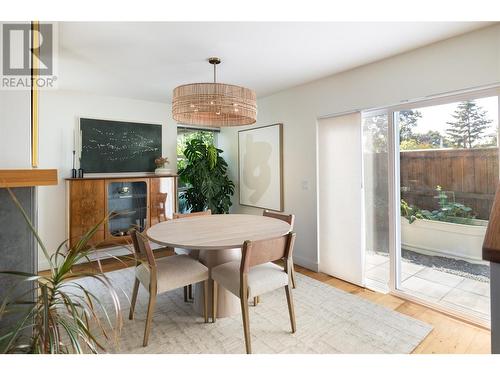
x=27, y=177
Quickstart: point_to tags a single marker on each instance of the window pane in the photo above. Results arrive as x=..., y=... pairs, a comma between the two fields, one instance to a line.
x=185, y=135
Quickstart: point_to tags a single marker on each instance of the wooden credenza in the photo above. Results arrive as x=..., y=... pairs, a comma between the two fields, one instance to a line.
x=90, y=200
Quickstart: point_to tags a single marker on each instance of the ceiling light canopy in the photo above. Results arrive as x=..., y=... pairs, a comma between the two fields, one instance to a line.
x=214, y=104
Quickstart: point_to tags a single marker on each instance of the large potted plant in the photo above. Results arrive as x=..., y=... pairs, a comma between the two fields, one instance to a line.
x=450, y=231
x=205, y=174
x=65, y=316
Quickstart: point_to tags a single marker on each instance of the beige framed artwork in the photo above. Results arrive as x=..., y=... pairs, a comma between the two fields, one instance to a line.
x=260, y=167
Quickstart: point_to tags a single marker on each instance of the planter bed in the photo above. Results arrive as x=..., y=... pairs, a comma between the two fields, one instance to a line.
x=458, y=241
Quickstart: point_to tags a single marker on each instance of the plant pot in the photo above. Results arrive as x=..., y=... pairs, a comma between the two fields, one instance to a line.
x=459, y=241
x=163, y=171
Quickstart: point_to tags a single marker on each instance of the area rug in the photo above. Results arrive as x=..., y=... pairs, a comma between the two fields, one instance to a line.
x=329, y=321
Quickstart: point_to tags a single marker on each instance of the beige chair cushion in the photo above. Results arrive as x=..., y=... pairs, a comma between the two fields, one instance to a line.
x=173, y=272
x=261, y=279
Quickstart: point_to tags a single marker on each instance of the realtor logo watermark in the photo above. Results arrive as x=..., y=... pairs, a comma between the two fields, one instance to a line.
x=18, y=54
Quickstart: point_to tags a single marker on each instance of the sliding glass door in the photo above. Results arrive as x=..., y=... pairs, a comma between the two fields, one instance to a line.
x=448, y=173
x=375, y=128
x=430, y=171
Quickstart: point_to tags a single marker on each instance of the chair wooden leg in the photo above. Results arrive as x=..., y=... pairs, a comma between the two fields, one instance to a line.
x=292, y=274
x=186, y=294
x=134, y=299
x=256, y=300
x=291, y=310
x=149, y=318
x=246, y=324
x=190, y=292
x=214, y=300
x=205, y=300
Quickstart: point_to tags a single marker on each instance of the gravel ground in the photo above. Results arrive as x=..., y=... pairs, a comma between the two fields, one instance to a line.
x=479, y=272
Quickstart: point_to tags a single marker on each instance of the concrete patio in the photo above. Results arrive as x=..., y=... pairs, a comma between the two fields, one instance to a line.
x=465, y=294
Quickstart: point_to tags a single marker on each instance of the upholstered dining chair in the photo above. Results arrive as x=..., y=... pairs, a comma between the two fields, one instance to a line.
x=160, y=203
x=255, y=275
x=290, y=219
x=188, y=290
x=158, y=276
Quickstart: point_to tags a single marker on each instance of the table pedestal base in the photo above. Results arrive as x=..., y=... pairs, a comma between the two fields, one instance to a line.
x=227, y=303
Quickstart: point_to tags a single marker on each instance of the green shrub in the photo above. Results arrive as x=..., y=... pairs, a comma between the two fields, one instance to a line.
x=448, y=211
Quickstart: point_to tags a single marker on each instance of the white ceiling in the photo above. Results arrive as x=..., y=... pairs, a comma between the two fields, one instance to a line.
x=147, y=60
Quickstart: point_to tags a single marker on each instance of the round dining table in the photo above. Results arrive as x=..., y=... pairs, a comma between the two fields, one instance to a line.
x=219, y=238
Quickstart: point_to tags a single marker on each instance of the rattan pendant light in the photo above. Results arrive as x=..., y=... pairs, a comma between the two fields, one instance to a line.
x=214, y=104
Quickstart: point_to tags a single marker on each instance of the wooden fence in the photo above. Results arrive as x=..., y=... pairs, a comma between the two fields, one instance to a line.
x=471, y=174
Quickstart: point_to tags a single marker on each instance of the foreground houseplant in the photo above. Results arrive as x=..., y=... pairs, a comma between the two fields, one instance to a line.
x=205, y=173
x=64, y=317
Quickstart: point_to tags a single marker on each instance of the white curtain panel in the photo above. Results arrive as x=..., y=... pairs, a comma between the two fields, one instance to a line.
x=340, y=197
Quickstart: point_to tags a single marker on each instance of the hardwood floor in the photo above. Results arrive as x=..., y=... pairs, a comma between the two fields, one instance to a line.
x=449, y=336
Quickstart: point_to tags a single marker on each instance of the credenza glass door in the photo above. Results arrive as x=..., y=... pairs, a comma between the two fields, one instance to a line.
x=127, y=206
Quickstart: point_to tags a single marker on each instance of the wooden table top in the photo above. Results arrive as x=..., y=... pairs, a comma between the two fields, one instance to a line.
x=216, y=232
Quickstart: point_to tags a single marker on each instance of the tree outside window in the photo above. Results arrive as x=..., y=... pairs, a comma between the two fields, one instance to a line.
x=185, y=135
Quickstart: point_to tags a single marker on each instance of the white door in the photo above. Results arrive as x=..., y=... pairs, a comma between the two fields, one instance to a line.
x=340, y=198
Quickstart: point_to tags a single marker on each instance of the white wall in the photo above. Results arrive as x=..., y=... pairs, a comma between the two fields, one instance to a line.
x=458, y=63
x=15, y=129
x=59, y=112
